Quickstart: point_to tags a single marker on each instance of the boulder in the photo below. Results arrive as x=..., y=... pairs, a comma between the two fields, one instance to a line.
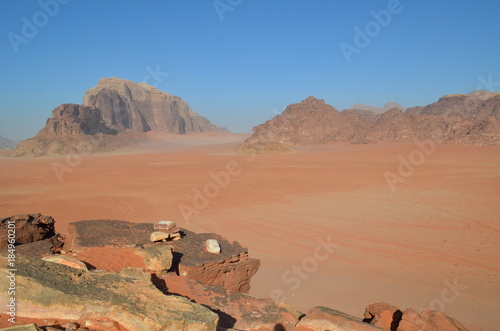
x=232, y=269
x=323, y=318
x=235, y=310
x=28, y=228
x=165, y=225
x=212, y=246
x=428, y=320
x=49, y=290
x=383, y=315
x=157, y=258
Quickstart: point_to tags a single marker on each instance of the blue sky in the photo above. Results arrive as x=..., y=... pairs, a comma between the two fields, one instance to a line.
x=240, y=70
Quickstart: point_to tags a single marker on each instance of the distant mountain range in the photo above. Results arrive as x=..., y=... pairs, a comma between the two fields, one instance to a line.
x=456, y=119
x=7, y=143
x=115, y=113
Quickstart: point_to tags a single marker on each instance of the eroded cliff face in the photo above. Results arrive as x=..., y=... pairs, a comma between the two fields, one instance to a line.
x=457, y=119
x=128, y=105
x=73, y=119
x=115, y=113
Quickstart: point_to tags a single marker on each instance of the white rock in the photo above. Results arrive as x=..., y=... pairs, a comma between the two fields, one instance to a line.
x=212, y=246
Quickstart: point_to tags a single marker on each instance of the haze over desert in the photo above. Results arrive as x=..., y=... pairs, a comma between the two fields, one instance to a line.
x=322, y=219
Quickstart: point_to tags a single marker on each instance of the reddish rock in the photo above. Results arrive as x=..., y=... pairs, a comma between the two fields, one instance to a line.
x=457, y=119
x=41, y=248
x=383, y=315
x=128, y=105
x=112, y=233
x=235, y=310
x=323, y=318
x=28, y=228
x=232, y=269
x=428, y=320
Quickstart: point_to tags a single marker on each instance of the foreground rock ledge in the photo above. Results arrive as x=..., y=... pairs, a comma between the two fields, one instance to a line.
x=51, y=290
x=232, y=269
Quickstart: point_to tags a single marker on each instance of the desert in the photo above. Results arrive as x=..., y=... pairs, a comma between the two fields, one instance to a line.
x=234, y=165
x=432, y=242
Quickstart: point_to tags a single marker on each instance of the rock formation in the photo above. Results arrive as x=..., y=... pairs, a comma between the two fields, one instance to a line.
x=456, y=119
x=391, y=318
x=232, y=269
x=27, y=228
x=52, y=290
x=175, y=285
x=128, y=105
x=371, y=111
x=7, y=143
x=115, y=113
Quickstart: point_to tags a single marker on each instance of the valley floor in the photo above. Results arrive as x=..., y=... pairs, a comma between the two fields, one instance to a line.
x=324, y=221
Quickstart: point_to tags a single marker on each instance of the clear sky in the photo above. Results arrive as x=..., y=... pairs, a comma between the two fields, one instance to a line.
x=239, y=62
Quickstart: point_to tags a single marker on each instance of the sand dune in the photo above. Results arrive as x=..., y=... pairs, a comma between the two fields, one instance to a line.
x=323, y=220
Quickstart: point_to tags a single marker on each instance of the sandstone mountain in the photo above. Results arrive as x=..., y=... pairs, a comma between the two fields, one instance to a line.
x=455, y=119
x=115, y=113
x=7, y=143
x=388, y=106
x=128, y=105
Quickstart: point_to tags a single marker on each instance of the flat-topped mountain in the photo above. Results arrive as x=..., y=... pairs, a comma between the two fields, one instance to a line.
x=457, y=119
x=142, y=107
x=115, y=113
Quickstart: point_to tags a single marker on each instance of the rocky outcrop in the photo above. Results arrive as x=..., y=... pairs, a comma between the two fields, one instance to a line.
x=232, y=269
x=235, y=310
x=128, y=105
x=391, y=318
x=52, y=290
x=115, y=113
x=457, y=119
x=118, y=279
x=27, y=228
x=311, y=121
x=7, y=143
x=73, y=119
x=478, y=105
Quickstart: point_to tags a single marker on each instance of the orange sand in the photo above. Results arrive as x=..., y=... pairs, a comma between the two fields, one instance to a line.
x=439, y=227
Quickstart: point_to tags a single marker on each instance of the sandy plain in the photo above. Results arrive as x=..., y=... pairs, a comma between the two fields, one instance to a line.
x=323, y=220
